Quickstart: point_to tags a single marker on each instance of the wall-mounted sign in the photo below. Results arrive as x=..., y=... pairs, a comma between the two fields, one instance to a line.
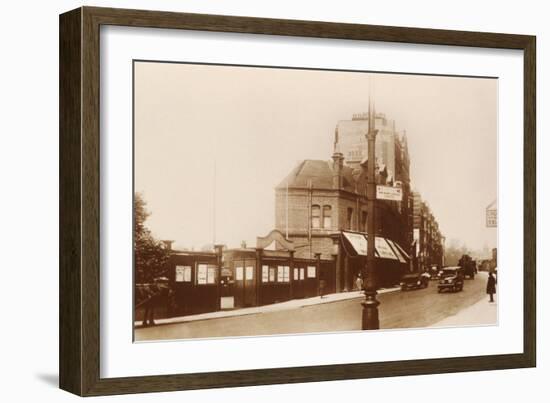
x=416, y=237
x=239, y=273
x=311, y=271
x=202, y=274
x=491, y=218
x=491, y=215
x=389, y=193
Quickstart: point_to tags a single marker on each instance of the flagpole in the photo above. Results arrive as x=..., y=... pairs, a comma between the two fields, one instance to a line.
x=286, y=215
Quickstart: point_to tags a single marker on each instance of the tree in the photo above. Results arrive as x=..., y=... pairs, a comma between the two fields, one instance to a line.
x=454, y=251
x=150, y=257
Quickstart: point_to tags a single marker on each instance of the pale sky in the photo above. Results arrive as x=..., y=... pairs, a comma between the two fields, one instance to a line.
x=255, y=124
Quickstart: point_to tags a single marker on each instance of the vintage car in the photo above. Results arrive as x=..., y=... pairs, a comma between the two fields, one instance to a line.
x=451, y=278
x=468, y=266
x=414, y=280
x=434, y=272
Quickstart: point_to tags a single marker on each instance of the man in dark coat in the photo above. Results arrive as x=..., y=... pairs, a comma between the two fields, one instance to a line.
x=152, y=297
x=491, y=286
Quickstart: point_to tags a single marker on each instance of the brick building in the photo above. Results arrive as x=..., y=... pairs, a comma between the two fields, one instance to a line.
x=429, y=242
x=321, y=198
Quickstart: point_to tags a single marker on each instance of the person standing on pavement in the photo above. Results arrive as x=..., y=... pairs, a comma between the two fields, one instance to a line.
x=491, y=286
x=359, y=283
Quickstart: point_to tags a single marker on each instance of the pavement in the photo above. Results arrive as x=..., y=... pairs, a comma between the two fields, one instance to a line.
x=282, y=306
x=336, y=313
x=481, y=313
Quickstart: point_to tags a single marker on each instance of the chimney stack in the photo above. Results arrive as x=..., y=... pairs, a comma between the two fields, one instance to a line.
x=167, y=244
x=337, y=170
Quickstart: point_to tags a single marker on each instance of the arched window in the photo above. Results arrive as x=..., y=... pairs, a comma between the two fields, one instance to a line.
x=315, y=216
x=327, y=217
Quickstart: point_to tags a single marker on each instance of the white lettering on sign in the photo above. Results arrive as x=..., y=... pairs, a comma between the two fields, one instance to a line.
x=389, y=193
x=491, y=218
x=202, y=272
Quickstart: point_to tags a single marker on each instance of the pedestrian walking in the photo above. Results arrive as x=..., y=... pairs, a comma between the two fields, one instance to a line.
x=491, y=286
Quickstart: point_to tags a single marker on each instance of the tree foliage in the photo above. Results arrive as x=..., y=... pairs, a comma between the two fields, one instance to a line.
x=453, y=252
x=150, y=257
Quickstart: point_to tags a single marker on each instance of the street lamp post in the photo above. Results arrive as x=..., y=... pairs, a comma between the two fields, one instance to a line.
x=370, y=319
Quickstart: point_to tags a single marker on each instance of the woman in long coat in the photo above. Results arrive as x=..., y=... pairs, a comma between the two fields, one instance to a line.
x=491, y=286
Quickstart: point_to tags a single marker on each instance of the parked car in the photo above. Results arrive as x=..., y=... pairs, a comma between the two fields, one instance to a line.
x=434, y=272
x=412, y=281
x=451, y=278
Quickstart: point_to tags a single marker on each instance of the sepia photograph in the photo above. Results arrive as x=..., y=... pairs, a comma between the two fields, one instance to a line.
x=271, y=200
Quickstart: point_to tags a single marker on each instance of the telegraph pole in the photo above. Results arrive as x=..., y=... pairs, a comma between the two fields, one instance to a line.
x=370, y=319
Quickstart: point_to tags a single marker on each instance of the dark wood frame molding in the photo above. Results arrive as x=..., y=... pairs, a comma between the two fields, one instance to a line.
x=79, y=200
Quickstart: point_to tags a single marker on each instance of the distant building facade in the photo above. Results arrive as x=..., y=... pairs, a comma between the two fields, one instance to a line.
x=429, y=242
x=391, y=145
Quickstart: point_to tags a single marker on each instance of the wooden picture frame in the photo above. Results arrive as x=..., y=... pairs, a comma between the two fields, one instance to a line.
x=79, y=346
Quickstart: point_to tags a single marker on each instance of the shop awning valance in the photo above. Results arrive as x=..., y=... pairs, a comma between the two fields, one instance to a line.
x=384, y=248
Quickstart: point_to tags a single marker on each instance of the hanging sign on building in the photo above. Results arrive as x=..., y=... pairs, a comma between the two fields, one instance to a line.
x=491, y=215
x=389, y=193
x=416, y=238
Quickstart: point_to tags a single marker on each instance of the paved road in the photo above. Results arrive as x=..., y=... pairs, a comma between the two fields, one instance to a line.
x=409, y=309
